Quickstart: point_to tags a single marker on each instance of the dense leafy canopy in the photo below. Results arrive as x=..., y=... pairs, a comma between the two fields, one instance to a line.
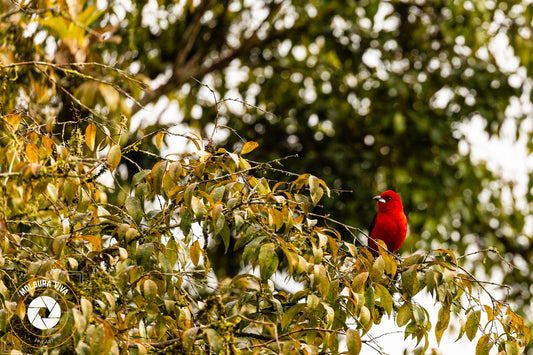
x=146, y=277
x=371, y=95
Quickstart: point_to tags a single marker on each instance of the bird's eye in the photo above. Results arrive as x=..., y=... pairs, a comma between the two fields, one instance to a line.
x=388, y=198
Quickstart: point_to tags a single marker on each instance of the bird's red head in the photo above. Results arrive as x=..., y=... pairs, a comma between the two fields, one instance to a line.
x=389, y=200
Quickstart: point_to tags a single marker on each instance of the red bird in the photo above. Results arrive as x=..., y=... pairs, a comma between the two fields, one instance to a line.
x=390, y=223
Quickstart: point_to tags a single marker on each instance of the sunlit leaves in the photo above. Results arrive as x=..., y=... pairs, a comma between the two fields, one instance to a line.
x=149, y=245
x=90, y=136
x=113, y=157
x=248, y=147
x=159, y=139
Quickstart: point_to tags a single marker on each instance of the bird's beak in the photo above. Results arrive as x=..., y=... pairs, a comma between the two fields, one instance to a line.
x=379, y=199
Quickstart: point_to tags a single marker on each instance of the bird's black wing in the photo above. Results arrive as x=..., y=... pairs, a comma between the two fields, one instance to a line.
x=372, y=225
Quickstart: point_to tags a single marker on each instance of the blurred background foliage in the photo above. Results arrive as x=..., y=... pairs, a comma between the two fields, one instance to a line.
x=371, y=95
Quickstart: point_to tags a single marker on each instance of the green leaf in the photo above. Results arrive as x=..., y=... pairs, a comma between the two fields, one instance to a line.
x=321, y=279
x=172, y=177
x=218, y=193
x=365, y=317
x=268, y=260
x=69, y=190
x=378, y=269
x=330, y=313
x=511, y=347
x=251, y=249
x=461, y=329
x=198, y=207
x=442, y=323
x=113, y=157
x=224, y=233
x=189, y=193
x=144, y=253
x=359, y=282
x=3, y=320
x=472, y=324
x=157, y=173
x=409, y=280
x=290, y=316
x=370, y=300
x=134, y=208
x=149, y=289
x=52, y=192
x=353, y=341
x=390, y=265
x=385, y=298
x=419, y=315
x=139, y=177
x=312, y=302
x=219, y=225
x=189, y=337
x=404, y=314
x=216, y=342
x=483, y=345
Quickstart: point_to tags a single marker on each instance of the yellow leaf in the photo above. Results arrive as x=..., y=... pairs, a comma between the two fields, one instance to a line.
x=198, y=207
x=32, y=152
x=442, y=323
x=159, y=139
x=248, y=147
x=197, y=140
x=483, y=345
x=95, y=241
x=195, y=252
x=13, y=119
x=110, y=95
x=149, y=289
x=47, y=146
x=359, y=282
x=353, y=341
x=90, y=136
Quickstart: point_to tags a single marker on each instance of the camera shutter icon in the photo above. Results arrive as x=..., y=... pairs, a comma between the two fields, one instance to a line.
x=53, y=308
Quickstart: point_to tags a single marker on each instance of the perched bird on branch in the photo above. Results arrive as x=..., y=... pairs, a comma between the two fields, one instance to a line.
x=389, y=224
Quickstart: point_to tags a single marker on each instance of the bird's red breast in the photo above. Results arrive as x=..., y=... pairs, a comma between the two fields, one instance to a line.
x=390, y=223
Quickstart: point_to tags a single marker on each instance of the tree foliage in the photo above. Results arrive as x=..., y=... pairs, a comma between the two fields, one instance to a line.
x=369, y=94
x=146, y=276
